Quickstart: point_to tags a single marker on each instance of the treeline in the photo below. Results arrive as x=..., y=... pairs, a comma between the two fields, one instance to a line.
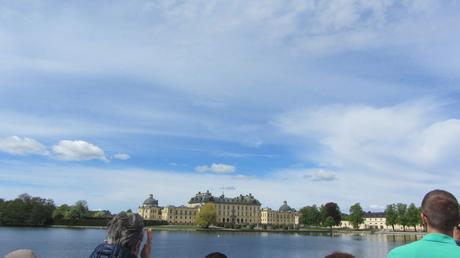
x=27, y=210
x=326, y=215
x=402, y=214
x=329, y=215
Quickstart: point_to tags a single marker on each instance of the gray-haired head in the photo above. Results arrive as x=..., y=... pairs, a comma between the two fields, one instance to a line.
x=22, y=253
x=125, y=230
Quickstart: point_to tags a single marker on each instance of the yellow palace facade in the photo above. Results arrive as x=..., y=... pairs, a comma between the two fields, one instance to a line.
x=239, y=210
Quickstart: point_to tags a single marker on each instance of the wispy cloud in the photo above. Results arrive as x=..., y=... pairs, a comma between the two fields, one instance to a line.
x=311, y=174
x=22, y=146
x=388, y=139
x=258, y=86
x=121, y=156
x=217, y=168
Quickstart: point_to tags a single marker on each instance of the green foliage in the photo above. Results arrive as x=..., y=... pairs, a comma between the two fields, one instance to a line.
x=356, y=216
x=26, y=211
x=207, y=215
x=391, y=215
x=329, y=222
x=61, y=212
x=401, y=210
x=101, y=214
x=413, y=216
x=330, y=209
x=310, y=215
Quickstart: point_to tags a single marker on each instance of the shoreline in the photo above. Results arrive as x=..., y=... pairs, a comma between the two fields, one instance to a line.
x=188, y=228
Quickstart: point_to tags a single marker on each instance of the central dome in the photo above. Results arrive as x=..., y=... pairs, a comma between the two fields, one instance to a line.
x=151, y=201
x=285, y=207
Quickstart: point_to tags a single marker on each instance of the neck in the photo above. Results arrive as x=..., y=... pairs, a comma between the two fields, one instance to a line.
x=434, y=230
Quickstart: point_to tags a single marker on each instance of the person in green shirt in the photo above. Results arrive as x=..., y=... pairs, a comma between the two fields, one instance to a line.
x=440, y=215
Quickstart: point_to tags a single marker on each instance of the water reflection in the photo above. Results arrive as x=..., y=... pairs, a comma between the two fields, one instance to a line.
x=58, y=243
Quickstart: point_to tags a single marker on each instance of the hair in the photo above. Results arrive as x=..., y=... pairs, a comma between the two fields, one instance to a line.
x=21, y=253
x=339, y=255
x=216, y=255
x=441, y=209
x=125, y=230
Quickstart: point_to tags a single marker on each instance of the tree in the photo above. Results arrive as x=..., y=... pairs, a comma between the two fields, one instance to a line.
x=102, y=214
x=331, y=209
x=310, y=215
x=206, y=216
x=61, y=212
x=356, y=215
x=26, y=211
x=329, y=222
x=413, y=216
x=401, y=210
x=391, y=215
x=77, y=211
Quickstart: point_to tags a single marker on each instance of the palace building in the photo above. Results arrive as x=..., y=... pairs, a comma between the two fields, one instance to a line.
x=239, y=210
x=150, y=209
x=179, y=215
x=285, y=216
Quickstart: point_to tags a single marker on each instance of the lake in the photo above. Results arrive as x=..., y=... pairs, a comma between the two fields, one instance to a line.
x=78, y=243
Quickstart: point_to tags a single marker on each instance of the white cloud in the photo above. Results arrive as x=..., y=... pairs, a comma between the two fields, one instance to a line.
x=216, y=168
x=322, y=175
x=22, y=146
x=316, y=175
x=78, y=150
x=394, y=139
x=121, y=156
x=227, y=188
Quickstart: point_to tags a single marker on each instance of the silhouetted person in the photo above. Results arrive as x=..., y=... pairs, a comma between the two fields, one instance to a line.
x=440, y=215
x=216, y=255
x=339, y=255
x=124, y=236
x=22, y=253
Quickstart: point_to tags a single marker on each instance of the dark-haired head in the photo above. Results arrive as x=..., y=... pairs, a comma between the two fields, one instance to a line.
x=440, y=211
x=339, y=255
x=216, y=255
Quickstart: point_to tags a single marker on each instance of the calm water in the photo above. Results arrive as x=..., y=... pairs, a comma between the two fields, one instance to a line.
x=77, y=243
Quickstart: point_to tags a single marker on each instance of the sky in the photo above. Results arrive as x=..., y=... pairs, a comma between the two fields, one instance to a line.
x=305, y=101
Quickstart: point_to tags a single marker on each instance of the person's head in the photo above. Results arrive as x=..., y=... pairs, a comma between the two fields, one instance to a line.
x=339, y=255
x=22, y=253
x=440, y=211
x=126, y=230
x=216, y=255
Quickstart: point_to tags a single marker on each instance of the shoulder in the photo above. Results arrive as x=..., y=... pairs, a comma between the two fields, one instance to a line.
x=404, y=251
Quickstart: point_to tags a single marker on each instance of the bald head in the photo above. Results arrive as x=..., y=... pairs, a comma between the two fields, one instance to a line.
x=441, y=209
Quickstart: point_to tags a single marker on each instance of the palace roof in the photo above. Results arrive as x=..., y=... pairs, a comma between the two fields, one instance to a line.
x=208, y=197
x=151, y=202
x=285, y=207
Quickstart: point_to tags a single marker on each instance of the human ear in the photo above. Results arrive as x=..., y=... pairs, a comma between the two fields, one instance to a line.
x=423, y=219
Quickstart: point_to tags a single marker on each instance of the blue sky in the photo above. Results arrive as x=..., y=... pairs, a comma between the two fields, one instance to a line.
x=304, y=101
